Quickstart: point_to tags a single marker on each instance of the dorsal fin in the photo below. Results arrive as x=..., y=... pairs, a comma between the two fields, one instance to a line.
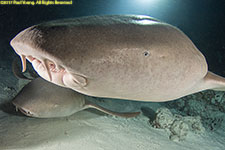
x=120, y=114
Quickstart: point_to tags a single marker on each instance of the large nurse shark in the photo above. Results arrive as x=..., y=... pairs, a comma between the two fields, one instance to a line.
x=118, y=56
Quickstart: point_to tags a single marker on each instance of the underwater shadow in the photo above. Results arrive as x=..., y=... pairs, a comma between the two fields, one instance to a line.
x=148, y=112
x=10, y=109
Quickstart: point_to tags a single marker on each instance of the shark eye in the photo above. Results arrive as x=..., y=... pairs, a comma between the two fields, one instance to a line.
x=146, y=53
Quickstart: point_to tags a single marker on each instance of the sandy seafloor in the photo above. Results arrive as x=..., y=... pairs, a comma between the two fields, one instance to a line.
x=91, y=130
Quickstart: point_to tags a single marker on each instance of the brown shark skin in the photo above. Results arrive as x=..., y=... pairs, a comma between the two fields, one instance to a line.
x=118, y=56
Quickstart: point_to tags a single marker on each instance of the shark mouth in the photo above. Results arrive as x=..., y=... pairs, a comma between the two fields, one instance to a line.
x=27, y=113
x=43, y=64
x=23, y=111
x=51, y=71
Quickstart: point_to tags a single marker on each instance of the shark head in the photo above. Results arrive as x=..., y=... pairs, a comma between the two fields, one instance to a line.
x=36, y=44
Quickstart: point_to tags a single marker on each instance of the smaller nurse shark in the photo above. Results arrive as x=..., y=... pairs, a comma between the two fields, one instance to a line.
x=42, y=99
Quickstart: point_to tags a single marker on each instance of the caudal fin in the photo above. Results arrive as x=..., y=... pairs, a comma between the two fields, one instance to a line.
x=215, y=82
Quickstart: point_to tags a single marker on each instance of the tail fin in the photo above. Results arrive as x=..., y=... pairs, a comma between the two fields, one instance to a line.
x=215, y=82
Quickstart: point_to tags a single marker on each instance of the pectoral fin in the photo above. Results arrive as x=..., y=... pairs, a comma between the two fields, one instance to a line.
x=74, y=80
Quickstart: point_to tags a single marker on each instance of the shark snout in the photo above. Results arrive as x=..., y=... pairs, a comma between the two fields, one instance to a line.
x=23, y=110
x=42, y=63
x=26, y=112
